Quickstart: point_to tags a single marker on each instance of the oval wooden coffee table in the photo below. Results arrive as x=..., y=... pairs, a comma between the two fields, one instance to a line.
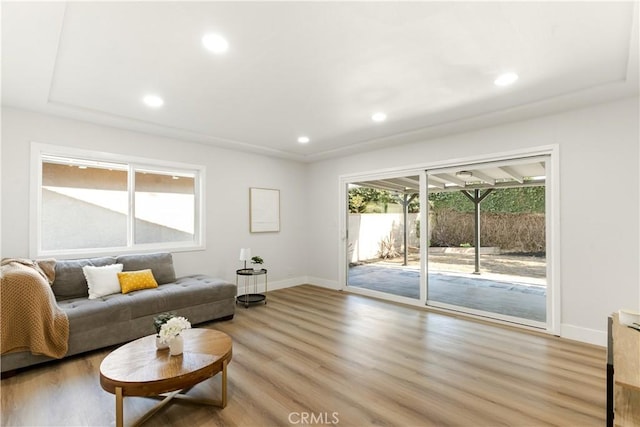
x=139, y=369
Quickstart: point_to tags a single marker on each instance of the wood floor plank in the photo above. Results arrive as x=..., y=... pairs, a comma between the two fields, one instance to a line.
x=349, y=360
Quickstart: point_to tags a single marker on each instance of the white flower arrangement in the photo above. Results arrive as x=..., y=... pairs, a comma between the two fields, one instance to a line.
x=172, y=328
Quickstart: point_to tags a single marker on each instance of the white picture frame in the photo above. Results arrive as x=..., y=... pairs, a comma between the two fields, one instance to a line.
x=264, y=210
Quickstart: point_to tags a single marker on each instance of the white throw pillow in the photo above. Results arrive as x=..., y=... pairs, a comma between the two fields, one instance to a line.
x=102, y=280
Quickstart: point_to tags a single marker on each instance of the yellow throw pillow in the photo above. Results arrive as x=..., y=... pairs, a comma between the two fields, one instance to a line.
x=136, y=280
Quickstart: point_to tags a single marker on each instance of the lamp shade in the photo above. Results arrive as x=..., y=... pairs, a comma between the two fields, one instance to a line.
x=245, y=254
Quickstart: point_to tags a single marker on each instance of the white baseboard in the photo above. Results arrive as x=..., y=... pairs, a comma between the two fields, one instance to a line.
x=323, y=283
x=590, y=336
x=287, y=283
x=272, y=286
x=282, y=284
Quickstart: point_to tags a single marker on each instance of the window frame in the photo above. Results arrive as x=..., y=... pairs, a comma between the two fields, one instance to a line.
x=38, y=153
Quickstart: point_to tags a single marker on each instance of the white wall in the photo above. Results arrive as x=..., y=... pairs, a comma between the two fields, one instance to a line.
x=368, y=230
x=599, y=207
x=599, y=189
x=229, y=176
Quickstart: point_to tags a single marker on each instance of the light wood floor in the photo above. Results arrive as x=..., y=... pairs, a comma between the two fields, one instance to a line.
x=349, y=360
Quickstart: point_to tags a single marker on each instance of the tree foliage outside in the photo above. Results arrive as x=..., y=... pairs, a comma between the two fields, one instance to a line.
x=512, y=218
x=373, y=200
x=509, y=200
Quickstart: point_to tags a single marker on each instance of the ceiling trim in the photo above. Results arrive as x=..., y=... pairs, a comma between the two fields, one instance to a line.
x=439, y=127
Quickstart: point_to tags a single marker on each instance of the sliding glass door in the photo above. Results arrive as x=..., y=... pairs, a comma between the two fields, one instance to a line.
x=488, y=240
x=477, y=237
x=383, y=247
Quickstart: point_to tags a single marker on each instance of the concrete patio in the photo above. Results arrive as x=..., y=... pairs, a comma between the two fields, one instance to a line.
x=510, y=295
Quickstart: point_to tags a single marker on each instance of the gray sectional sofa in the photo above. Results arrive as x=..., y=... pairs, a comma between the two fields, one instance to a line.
x=118, y=318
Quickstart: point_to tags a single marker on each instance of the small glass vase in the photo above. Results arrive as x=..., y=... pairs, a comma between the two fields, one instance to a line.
x=176, y=345
x=160, y=345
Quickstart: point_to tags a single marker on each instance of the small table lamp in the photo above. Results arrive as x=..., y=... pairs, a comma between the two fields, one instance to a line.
x=245, y=255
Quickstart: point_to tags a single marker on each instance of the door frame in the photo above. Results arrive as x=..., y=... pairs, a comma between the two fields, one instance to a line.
x=345, y=180
x=552, y=218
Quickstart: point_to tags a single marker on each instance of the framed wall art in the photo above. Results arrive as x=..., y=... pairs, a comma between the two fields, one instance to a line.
x=264, y=210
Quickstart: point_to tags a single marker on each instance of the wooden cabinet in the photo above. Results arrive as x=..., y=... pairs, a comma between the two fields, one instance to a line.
x=623, y=375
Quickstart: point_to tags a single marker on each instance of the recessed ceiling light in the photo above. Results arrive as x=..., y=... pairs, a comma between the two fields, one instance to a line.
x=215, y=43
x=506, y=79
x=303, y=139
x=379, y=117
x=153, y=101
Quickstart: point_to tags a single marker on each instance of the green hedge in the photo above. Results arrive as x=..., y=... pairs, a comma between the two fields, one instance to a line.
x=513, y=200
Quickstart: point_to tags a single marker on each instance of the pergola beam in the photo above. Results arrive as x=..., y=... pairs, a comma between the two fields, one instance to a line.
x=392, y=186
x=484, y=177
x=437, y=182
x=512, y=173
x=411, y=185
x=497, y=185
x=477, y=198
x=451, y=179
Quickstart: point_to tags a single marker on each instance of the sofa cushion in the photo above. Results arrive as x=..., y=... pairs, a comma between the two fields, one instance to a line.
x=135, y=280
x=102, y=280
x=187, y=291
x=85, y=314
x=70, y=281
x=161, y=264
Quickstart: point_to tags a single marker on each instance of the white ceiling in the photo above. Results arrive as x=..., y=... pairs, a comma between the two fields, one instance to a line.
x=315, y=68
